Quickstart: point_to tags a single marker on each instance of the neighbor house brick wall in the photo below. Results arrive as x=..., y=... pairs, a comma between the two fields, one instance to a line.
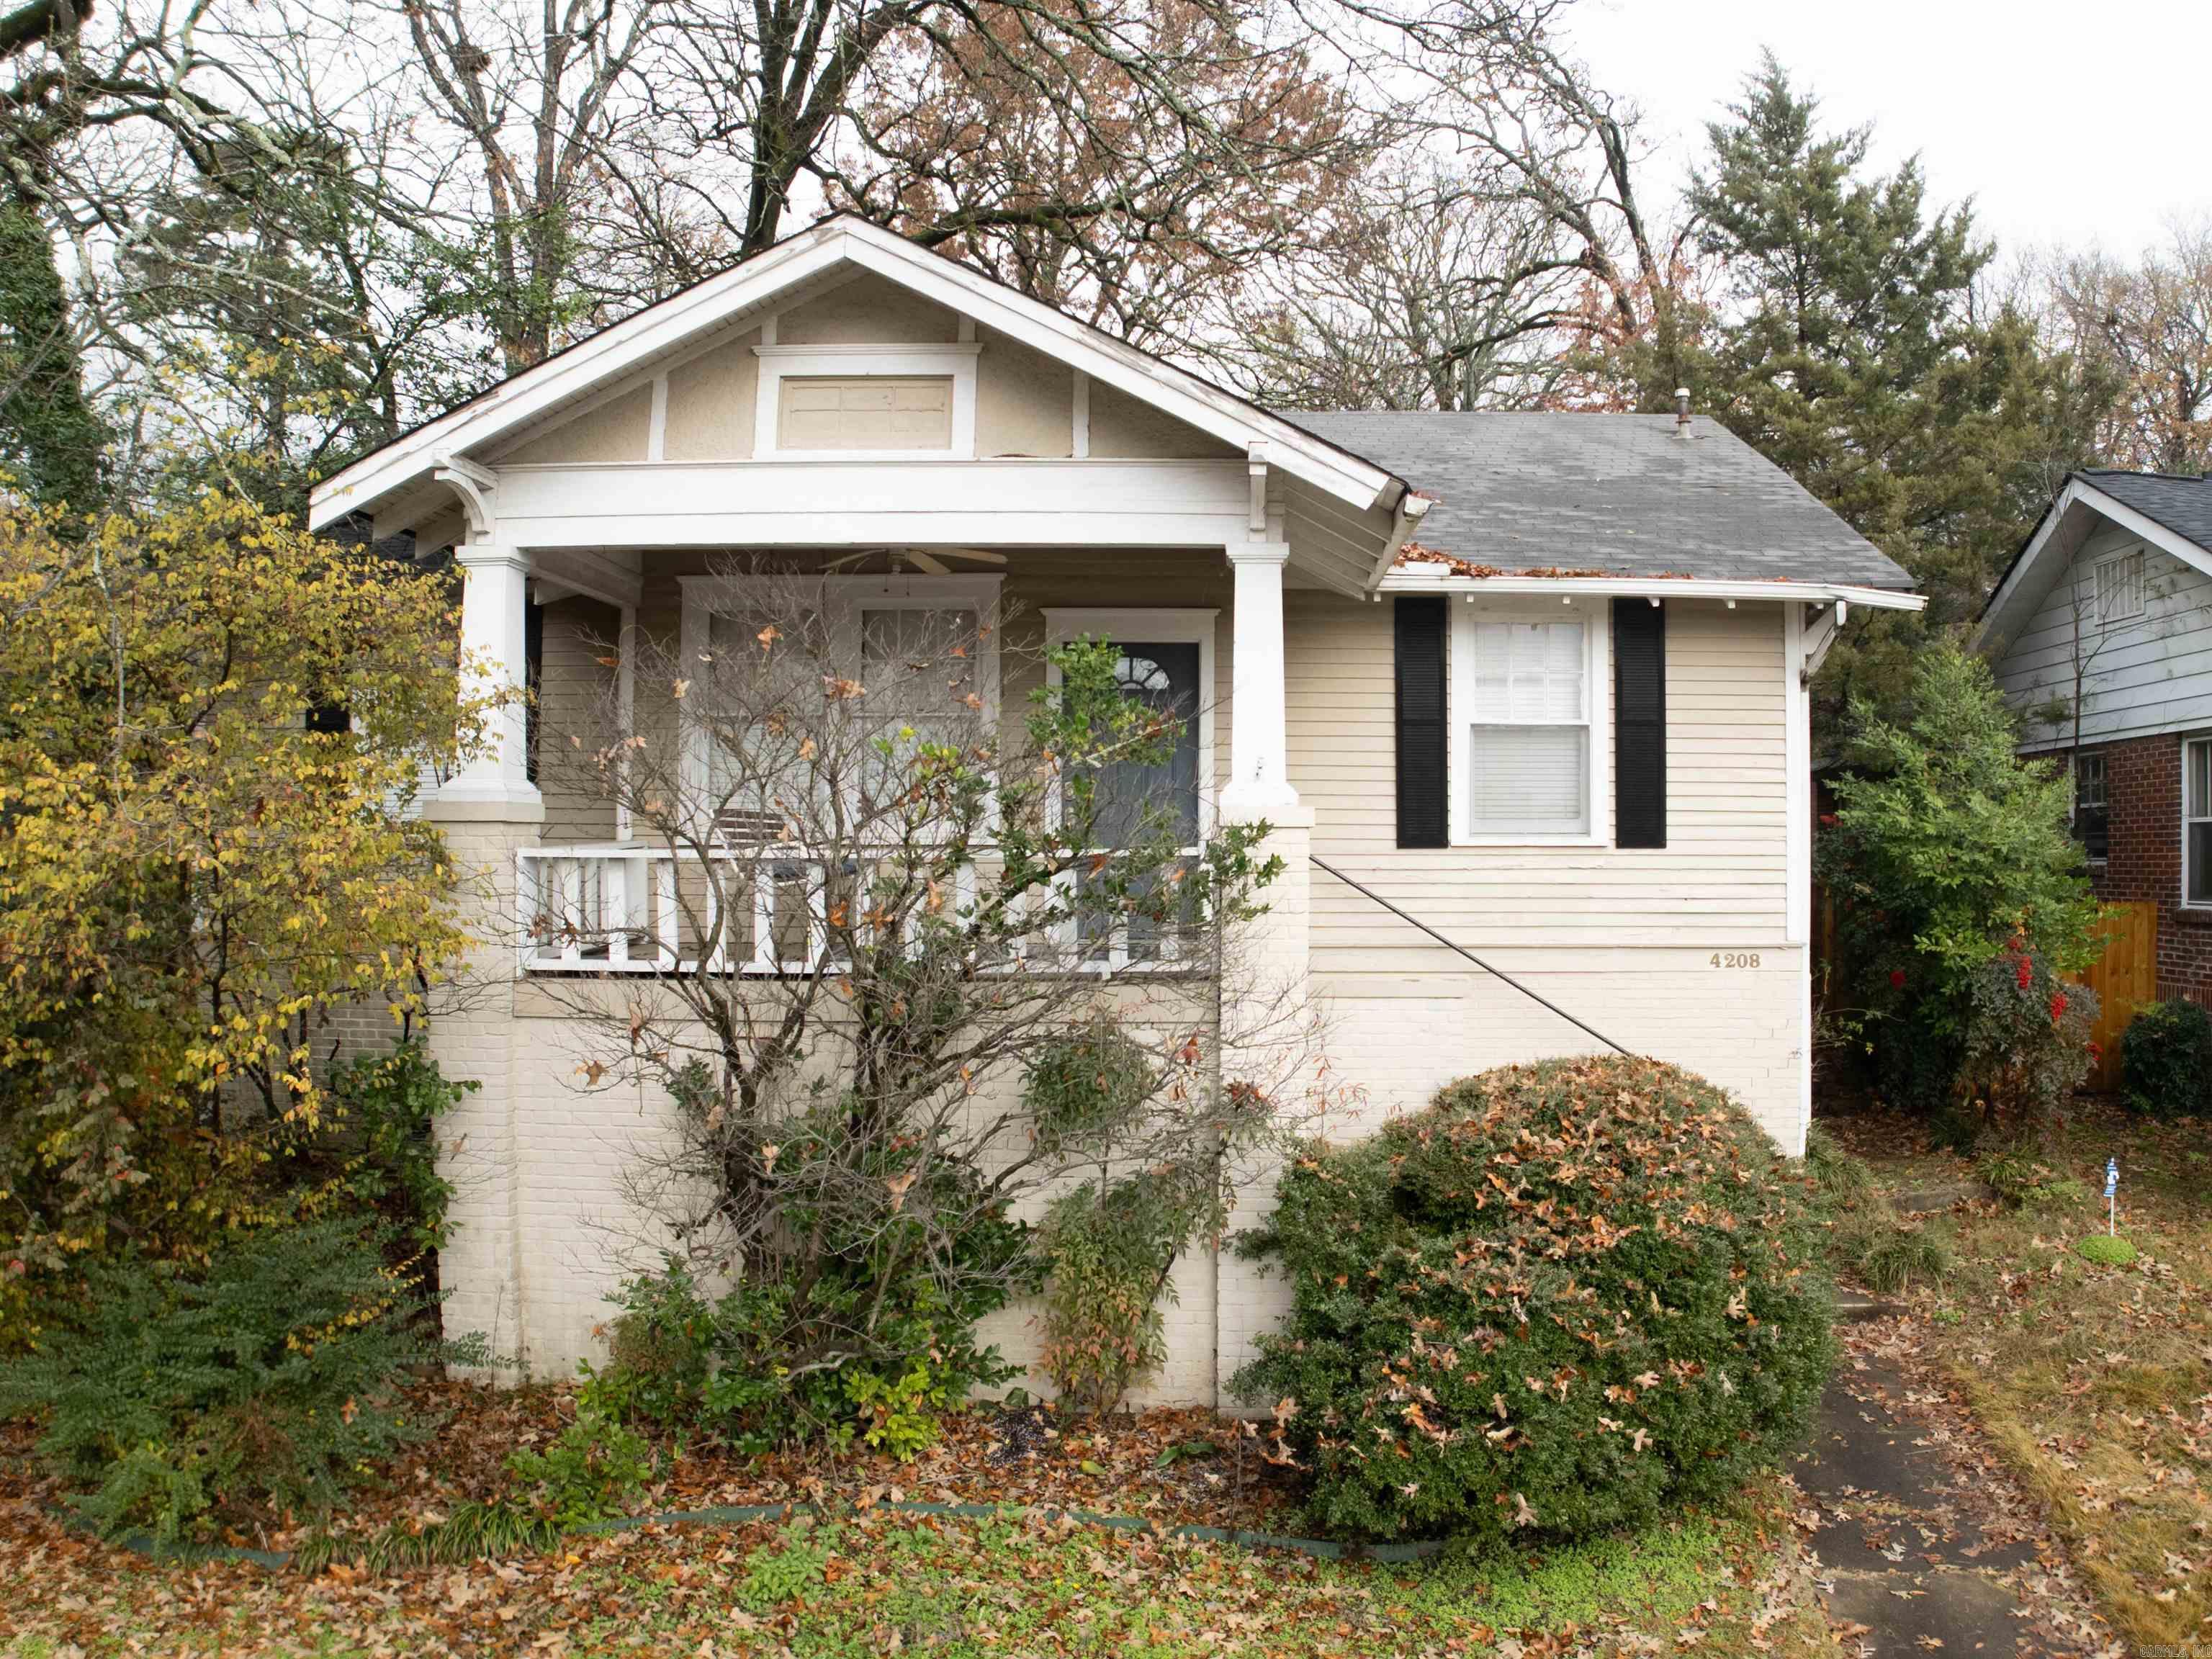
x=2142, y=786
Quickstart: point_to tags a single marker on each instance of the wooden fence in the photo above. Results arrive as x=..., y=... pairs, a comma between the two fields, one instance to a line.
x=2124, y=978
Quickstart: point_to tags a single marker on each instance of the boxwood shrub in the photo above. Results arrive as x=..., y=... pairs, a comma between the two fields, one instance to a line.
x=1563, y=1298
x=2166, y=1059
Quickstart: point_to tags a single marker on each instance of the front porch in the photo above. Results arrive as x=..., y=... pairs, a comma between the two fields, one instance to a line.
x=590, y=654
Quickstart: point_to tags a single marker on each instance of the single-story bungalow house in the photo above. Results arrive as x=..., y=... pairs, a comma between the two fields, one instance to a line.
x=2101, y=635
x=1533, y=685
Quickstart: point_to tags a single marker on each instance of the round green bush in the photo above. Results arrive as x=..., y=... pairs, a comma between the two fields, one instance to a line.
x=2107, y=1250
x=2165, y=1059
x=1562, y=1298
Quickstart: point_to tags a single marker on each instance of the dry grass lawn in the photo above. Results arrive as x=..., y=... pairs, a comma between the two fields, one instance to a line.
x=2094, y=1382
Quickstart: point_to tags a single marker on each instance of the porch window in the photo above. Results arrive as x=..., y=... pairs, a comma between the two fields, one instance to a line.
x=2092, y=817
x=1529, y=714
x=2196, y=821
x=925, y=649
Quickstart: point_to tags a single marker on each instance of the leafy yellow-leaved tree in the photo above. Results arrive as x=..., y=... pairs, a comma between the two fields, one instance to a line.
x=212, y=729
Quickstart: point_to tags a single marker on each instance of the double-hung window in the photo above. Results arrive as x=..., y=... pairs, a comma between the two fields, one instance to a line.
x=2092, y=815
x=1530, y=722
x=2196, y=821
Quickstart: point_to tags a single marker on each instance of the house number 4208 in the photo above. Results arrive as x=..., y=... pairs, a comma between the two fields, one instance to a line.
x=1735, y=959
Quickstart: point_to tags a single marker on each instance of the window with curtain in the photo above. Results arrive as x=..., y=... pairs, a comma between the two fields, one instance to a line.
x=2197, y=821
x=1527, y=728
x=756, y=778
x=918, y=666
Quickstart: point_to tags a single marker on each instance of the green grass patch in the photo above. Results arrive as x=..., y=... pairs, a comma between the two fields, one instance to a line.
x=2106, y=1250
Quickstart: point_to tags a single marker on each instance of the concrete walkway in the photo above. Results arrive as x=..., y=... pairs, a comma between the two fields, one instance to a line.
x=1924, y=1547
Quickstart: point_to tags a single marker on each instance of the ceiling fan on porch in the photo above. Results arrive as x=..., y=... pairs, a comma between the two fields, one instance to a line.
x=930, y=563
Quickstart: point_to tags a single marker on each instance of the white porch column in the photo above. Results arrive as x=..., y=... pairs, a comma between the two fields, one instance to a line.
x=487, y=810
x=1270, y=1031
x=493, y=595
x=1259, y=774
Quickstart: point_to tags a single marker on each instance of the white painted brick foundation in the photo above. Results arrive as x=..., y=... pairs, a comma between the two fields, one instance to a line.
x=545, y=1228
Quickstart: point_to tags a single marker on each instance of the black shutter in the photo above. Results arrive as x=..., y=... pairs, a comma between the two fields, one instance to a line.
x=1639, y=723
x=1423, y=819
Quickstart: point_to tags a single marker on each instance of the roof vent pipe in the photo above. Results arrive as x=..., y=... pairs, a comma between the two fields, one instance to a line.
x=1682, y=411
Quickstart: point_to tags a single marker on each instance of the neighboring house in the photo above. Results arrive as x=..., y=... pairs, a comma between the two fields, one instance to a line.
x=1539, y=680
x=2100, y=634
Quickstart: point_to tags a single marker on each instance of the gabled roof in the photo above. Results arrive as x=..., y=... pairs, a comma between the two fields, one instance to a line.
x=1621, y=495
x=2180, y=502
x=2172, y=512
x=752, y=286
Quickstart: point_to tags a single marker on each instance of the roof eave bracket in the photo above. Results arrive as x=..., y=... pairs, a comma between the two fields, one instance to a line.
x=1408, y=512
x=1819, y=635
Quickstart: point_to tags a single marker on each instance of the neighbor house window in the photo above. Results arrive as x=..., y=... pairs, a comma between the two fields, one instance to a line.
x=1527, y=712
x=871, y=412
x=2197, y=821
x=2120, y=587
x=2092, y=819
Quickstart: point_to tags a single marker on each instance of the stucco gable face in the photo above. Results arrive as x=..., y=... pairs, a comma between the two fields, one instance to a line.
x=694, y=378
x=1027, y=403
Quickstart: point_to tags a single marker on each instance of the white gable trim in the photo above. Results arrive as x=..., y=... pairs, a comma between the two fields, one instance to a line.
x=2079, y=492
x=618, y=352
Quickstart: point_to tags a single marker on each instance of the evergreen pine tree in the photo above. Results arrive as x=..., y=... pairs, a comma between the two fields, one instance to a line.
x=1847, y=341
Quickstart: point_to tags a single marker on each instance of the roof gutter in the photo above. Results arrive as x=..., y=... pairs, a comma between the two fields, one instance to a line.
x=1653, y=587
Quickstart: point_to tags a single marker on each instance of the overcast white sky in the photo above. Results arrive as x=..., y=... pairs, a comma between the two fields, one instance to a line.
x=2066, y=123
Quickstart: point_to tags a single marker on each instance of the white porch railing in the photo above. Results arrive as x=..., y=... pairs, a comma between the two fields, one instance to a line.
x=623, y=909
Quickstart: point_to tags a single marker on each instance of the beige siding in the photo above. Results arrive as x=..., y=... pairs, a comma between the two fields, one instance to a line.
x=1718, y=882
x=1024, y=402
x=867, y=310
x=712, y=402
x=615, y=431
x=1122, y=426
x=1624, y=939
x=573, y=717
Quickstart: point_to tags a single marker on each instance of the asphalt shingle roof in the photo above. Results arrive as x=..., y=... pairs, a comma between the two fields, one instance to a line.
x=1617, y=493
x=2181, y=503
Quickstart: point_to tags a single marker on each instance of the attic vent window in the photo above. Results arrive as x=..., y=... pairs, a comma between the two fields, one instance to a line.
x=2120, y=587
x=871, y=412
